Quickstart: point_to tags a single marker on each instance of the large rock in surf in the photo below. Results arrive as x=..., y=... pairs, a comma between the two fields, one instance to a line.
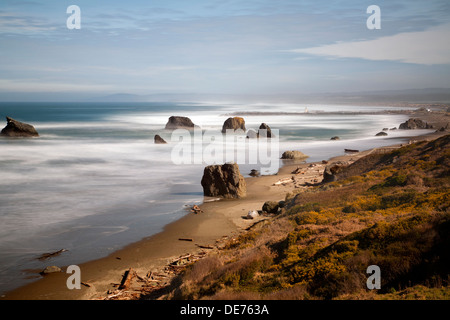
x=331, y=170
x=415, y=124
x=234, y=123
x=293, y=155
x=381, y=133
x=16, y=128
x=223, y=181
x=177, y=122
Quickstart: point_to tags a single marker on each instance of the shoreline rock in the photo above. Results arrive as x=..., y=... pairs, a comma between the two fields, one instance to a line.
x=16, y=128
x=414, y=123
x=223, y=181
x=293, y=155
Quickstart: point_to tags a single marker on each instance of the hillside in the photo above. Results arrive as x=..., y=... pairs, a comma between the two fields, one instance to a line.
x=389, y=210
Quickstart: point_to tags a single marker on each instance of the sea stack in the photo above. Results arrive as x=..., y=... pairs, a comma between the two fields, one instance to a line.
x=177, y=122
x=223, y=181
x=16, y=128
x=265, y=131
x=235, y=123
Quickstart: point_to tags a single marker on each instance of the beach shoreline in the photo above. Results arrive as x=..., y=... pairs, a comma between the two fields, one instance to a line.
x=217, y=222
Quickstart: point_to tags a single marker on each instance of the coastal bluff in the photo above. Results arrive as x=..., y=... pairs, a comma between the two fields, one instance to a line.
x=16, y=128
x=223, y=181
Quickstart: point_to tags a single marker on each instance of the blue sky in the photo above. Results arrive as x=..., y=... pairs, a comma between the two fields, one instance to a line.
x=231, y=47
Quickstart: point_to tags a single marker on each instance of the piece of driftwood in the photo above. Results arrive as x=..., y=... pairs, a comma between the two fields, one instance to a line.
x=127, y=278
x=205, y=247
x=186, y=239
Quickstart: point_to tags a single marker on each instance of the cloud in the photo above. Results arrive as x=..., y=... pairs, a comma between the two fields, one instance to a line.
x=429, y=47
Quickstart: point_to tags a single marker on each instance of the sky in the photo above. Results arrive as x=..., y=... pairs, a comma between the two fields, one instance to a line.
x=221, y=47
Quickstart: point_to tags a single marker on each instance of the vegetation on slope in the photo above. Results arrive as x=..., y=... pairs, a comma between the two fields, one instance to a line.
x=389, y=210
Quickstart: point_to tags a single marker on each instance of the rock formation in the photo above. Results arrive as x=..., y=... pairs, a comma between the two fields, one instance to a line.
x=331, y=170
x=381, y=133
x=335, y=138
x=254, y=173
x=176, y=122
x=159, y=140
x=265, y=131
x=15, y=128
x=270, y=206
x=293, y=155
x=223, y=181
x=415, y=124
x=234, y=124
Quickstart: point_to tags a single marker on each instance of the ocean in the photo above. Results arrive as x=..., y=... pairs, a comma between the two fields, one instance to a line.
x=94, y=181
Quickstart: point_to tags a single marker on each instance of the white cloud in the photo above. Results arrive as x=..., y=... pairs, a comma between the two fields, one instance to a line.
x=427, y=47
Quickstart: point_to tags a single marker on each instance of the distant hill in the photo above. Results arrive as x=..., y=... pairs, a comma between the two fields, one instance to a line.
x=431, y=95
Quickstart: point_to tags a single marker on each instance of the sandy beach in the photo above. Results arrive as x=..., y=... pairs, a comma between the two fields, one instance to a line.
x=201, y=233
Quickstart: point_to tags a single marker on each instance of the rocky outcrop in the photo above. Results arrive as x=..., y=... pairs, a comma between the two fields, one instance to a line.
x=335, y=138
x=265, y=131
x=16, y=128
x=177, y=122
x=159, y=140
x=331, y=170
x=223, y=181
x=271, y=206
x=293, y=155
x=254, y=173
x=381, y=133
x=234, y=123
x=415, y=124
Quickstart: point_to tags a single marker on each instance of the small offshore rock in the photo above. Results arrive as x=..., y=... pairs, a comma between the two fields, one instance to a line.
x=16, y=128
x=159, y=140
x=265, y=131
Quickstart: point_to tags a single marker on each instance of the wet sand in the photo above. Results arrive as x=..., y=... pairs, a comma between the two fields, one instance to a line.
x=218, y=221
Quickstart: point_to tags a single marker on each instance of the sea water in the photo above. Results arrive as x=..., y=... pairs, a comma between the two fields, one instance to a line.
x=94, y=181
